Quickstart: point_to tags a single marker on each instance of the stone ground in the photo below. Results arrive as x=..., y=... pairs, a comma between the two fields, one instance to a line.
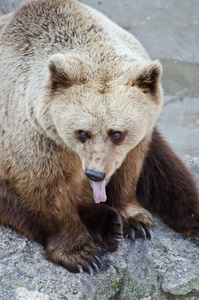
x=168, y=266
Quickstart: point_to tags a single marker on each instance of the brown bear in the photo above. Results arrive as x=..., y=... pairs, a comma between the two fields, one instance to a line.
x=80, y=98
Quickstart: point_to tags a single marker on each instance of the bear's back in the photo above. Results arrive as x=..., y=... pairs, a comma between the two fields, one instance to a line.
x=41, y=28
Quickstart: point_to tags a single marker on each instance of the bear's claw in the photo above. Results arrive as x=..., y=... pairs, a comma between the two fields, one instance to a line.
x=118, y=222
x=132, y=234
x=118, y=237
x=149, y=232
x=92, y=268
x=97, y=258
x=80, y=268
x=95, y=267
x=143, y=231
x=146, y=232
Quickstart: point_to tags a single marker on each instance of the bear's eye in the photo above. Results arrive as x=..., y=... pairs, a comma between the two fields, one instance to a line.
x=115, y=135
x=83, y=135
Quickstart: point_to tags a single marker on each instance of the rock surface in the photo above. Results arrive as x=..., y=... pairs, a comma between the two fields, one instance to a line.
x=168, y=266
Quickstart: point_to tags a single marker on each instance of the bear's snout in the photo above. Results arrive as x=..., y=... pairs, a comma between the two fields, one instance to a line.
x=94, y=175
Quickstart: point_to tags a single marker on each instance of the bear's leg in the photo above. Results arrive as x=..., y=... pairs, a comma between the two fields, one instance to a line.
x=167, y=187
x=14, y=214
x=104, y=224
x=72, y=248
x=137, y=221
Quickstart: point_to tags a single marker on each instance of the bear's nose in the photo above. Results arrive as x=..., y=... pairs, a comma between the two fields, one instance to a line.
x=94, y=175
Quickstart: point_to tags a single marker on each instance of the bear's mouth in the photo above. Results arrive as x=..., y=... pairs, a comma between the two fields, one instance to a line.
x=99, y=190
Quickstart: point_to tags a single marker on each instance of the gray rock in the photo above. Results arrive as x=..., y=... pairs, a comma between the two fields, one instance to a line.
x=167, y=265
x=8, y=5
x=24, y=294
x=179, y=124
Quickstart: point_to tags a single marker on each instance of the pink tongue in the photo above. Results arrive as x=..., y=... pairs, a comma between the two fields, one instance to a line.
x=99, y=191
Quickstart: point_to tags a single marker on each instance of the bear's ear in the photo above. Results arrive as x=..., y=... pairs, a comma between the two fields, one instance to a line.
x=148, y=78
x=64, y=70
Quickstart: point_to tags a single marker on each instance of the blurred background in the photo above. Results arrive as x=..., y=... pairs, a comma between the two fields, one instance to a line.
x=169, y=30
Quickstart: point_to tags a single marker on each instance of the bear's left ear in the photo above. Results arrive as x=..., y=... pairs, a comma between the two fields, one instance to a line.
x=148, y=78
x=65, y=70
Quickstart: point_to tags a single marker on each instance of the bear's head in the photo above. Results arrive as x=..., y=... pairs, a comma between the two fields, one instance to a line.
x=101, y=114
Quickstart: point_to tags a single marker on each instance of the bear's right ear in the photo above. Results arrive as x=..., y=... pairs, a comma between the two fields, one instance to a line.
x=64, y=70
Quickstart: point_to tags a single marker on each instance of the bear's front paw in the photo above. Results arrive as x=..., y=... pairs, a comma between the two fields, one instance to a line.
x=112, y=231
x=79, y=257
x=104, y=224
x=138, y=223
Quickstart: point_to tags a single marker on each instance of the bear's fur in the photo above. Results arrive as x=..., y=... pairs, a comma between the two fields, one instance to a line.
x=167, y=187
x=79, y=101
x=4, y=19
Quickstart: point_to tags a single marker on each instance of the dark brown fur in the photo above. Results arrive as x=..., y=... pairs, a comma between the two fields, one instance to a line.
x=167, y=187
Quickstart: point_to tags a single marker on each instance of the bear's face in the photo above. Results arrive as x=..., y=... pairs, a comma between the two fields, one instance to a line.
x=103, y=121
